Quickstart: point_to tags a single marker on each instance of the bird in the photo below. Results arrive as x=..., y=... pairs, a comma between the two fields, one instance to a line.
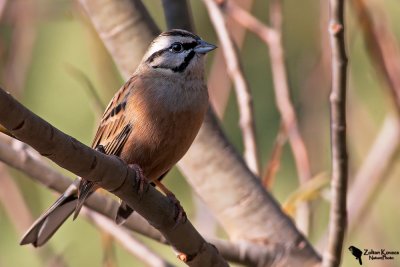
x=150, y=123
x=356, y=253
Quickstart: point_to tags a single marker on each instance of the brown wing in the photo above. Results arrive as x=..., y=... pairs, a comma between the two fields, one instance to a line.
x=114, y=128
x=112, y=134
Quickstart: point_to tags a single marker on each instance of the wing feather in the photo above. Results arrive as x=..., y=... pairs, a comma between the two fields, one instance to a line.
x=114, y=128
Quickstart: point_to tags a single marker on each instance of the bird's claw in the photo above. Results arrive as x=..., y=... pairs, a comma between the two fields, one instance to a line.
x=180, y=216
x=140, y=179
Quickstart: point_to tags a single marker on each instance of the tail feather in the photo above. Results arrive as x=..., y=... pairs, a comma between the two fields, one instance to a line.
x=124, y=211
x=47, y=224
x=86, y=188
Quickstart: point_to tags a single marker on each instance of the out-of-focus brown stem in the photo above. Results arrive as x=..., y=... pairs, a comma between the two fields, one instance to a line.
x=135, y=247
x=373, y=173
x=23, y=17
x=382, y=48
x=243, y=94
x=338, y=214
x=13, y=201
x=384, y=52
x=219, y=84
x=275, y=159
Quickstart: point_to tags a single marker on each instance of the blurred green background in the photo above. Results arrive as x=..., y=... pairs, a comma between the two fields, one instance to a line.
x=40, y=41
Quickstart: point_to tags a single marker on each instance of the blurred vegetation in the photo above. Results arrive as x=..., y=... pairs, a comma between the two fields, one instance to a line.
x=63, y=37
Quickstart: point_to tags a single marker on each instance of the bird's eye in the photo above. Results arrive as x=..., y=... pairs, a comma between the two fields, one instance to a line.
x=176, y=47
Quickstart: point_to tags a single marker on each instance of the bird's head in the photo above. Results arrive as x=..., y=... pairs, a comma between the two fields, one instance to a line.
x=177, y=52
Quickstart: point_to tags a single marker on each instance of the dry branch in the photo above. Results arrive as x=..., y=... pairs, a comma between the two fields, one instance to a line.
x=338, y=214
x=110, y=173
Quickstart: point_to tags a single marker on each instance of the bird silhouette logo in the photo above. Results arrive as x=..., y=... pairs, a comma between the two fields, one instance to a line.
x=356, y=253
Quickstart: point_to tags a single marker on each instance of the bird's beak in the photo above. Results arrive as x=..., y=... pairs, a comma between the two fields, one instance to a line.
x=203, y=47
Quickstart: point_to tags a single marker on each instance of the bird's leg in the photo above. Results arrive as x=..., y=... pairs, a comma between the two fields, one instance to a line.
x=181, y=214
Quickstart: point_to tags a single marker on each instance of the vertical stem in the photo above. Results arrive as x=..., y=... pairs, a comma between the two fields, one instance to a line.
x=337, y=224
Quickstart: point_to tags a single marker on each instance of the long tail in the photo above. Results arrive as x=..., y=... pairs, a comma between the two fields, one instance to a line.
x=86, y=188
x=47, y=224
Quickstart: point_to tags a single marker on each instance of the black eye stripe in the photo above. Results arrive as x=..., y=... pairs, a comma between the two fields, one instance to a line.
x=186, y=47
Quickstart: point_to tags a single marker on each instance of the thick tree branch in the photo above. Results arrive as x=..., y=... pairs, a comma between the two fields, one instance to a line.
x=110, y=173
x=27, y=160
x=338, y=214
x=178, y=14
x=127, y=22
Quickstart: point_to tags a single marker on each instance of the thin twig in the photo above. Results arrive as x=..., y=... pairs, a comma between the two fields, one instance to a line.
x=275, y=158
x=23, y=16
x=382, y=48
x=372, y=175
x=338, y=215
x=134, y=246
x=219, y=84
x=243, y=94
x=13, y=201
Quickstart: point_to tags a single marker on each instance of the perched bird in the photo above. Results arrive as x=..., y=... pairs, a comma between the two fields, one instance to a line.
x=150, y=123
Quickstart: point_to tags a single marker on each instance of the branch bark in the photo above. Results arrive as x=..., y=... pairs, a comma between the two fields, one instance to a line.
x=178, y=14
x=110, y=173
x=338, y=214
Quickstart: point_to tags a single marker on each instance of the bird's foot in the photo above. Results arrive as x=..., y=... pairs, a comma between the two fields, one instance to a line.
x=180, y=216
x=140, y=179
